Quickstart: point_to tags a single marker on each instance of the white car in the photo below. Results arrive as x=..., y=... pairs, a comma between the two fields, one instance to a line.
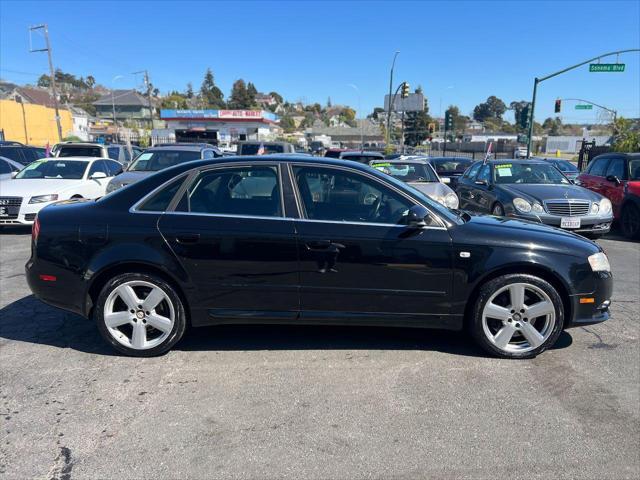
x=8, y=168
x=50, y=180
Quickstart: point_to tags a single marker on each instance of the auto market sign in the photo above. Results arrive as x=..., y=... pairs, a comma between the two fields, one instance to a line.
x=606, y=67
x=167, y=114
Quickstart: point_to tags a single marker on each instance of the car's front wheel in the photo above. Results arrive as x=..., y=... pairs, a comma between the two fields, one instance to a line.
x=140, y=315
x=517, y=316
x=498, y=210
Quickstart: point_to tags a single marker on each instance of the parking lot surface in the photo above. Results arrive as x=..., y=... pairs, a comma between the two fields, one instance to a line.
x=315, y=402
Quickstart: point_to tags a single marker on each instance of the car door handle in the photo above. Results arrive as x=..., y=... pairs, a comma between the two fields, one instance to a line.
x=187, y=238
x=319, y=244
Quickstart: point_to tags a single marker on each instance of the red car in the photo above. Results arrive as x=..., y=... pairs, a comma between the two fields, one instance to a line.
x=617, y=177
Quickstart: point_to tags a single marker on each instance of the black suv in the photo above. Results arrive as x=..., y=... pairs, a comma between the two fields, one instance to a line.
x=162, y=156
x=20, y=152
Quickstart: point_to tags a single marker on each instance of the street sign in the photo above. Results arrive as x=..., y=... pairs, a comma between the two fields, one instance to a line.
x=413, y=103
x=584, y=107
x=606, y=67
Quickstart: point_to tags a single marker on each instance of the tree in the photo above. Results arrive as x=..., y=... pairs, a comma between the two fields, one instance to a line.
x=277, y=97
x=459, y=121
x=287, y=124
x=44, y=81
x=518, y=111
x=625, y=138
x=210, y=94
x=174, y=100
x=189, y=92
x=492, y=108
x=240, y=97
x=376, y=112
x=416, y=125
x=552, y=126
x=251, y=94
x=329, y=105
x=91, y=81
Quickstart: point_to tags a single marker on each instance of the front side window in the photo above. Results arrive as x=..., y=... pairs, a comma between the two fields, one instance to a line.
x=338, y=195
x=161, y=159
x=634, y=169
x=485, y=173
x=471, y=172
x=598, y=167
x=250, y=191
x=59, y=169
x=98, y=166
x=616, y=168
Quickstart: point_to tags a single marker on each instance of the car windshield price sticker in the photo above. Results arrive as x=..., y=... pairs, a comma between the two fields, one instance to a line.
x=504, y=170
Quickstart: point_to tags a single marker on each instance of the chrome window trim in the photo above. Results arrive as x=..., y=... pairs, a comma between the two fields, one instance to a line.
x=442, y=225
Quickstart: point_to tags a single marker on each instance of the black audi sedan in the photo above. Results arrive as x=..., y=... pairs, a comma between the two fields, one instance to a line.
x=533, y=190
x=280, y=239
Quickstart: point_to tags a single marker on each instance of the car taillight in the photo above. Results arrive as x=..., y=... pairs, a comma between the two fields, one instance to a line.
x=35, y=229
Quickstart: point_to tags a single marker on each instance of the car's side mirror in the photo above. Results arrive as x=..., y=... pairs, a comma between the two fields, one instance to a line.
x=416, y=217
x=481, y=182
x=14, y=173
x=614, y=179
x=98, y=175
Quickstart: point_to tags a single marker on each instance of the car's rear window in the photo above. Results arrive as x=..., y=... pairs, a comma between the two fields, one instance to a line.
x=333, y=153
x=451, y=165
x=79, y=151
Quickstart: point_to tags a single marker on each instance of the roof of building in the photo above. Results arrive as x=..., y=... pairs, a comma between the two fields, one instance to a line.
x=123, y=97
x=38, y=96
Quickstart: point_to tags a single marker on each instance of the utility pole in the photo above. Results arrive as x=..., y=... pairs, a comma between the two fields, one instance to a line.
x=24, y=118
x=393, y=64
x=52, y=72
x=147, y=85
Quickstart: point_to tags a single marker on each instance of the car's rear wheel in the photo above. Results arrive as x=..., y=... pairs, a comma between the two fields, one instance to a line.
x=517, y=316
x=498, y=210
x=140, y=315
x=630, y=221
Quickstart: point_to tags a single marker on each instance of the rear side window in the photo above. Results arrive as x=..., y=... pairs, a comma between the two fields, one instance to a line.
x=79, y=151
x=598, y=167
x=616, y=168
x=159, y=201
x=251, y=190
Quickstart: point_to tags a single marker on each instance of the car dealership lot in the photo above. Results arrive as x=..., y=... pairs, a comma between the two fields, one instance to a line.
x=318, y=402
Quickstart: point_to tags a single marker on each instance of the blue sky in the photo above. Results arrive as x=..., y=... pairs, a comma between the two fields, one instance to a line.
x=460, y=52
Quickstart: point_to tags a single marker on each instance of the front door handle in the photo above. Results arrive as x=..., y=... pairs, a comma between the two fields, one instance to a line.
x=188, y=238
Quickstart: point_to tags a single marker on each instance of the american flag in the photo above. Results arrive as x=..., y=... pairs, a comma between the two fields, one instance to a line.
x=260, y=150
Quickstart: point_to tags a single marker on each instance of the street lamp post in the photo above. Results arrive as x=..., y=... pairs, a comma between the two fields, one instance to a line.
x=393, y=64
x=113, y=104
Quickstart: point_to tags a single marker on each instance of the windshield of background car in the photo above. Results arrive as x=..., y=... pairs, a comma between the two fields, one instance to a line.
x=252, y=149
x=59, y=169
x=407, y=172
x=451, y=165
x=634, y=169
x=520, y=173
x=78, y=151
x=362, y=158
x=565, y=166
x=161, y=159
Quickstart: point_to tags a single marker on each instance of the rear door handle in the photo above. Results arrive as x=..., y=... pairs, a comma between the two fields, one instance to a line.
x=187, y=238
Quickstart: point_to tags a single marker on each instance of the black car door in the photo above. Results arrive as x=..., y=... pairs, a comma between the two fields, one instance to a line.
x=465, y=186
x=483, y=192
x=229, y=231
x=357, y=263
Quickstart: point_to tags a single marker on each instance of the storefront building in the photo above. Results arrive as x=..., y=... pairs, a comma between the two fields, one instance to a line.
x=221, y=127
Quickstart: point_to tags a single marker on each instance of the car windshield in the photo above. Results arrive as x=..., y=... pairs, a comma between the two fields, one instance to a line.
x=407, y=172
x=634, y=169
x=451, y=165
x=78, y=151
x=161, y=159
x=61, y=169
x=565, y=166
x=252, y=148
x=527, y=173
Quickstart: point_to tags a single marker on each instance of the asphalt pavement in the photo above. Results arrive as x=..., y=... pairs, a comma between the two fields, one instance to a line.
x=315, y=402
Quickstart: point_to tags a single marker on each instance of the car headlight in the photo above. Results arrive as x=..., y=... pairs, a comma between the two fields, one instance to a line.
x=594, y=208
x=599, y=262
x=521, y=205
x=451, y=200
x=605, y=206
x=537, y=208
x=44, y=198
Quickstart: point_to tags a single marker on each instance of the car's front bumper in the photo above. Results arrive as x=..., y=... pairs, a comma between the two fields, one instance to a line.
x=25, y=215
x=593, y=224
x=592, y=307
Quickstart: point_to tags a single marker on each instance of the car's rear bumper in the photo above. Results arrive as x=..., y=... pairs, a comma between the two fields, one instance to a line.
x=56, y=286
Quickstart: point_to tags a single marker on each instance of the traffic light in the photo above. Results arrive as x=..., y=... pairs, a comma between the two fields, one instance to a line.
x=558, y=105
x=405, y=90
x=524, y=117
x=448, y=121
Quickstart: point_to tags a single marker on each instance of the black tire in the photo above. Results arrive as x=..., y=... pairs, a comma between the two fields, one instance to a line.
x=497, y=210
x=174, y=335
x=630, y=221
x=475, y=323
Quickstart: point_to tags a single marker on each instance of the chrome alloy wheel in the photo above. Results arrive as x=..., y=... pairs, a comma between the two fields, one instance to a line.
x=139, y=315
x=518, y=318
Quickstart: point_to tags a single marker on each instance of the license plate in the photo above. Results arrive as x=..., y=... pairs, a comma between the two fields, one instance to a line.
x=4, y=212
x=569, y=222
